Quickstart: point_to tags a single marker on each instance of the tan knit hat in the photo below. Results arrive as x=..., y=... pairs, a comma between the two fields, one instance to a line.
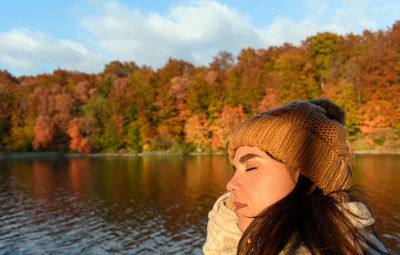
x=305, y=135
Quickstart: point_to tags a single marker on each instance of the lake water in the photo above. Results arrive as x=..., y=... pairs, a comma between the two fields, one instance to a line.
x=142, y=205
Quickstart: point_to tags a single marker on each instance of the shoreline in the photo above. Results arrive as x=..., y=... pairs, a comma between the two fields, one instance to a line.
x=49, y=155
x=377, y=152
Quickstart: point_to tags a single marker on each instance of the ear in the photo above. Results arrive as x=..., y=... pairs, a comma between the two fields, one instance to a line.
x=295, y=173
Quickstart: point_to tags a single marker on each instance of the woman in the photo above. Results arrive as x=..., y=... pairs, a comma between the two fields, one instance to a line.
x=290, y=190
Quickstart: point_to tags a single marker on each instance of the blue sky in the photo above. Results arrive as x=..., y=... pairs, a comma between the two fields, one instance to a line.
x=84, y=35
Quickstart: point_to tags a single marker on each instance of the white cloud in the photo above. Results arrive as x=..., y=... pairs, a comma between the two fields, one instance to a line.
x=341, y=17
x=35, y=52
x=195, y=30
x=283, y=30
x=194, y=33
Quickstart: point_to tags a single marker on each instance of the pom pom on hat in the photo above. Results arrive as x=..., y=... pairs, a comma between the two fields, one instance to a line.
x=333, y=111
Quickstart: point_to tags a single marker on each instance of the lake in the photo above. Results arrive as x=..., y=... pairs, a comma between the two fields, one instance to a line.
x=142, y=205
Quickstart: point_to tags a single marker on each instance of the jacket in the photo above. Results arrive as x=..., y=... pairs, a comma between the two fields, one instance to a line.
x=223, y=234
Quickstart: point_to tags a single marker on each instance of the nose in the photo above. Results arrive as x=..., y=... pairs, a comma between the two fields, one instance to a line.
x=233, y=183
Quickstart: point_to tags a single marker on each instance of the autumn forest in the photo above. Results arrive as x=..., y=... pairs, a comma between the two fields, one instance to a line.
x=181, y=107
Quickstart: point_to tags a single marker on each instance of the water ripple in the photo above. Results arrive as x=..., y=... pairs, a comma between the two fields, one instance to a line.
x=121, y=206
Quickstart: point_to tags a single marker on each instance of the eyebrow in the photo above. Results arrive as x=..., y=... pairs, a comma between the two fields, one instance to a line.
x=246, y=157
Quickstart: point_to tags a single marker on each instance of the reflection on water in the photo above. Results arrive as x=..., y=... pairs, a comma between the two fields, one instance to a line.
x=148, y=205
x=379, y=177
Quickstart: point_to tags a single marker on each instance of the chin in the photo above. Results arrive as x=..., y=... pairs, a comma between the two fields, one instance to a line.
x=243, y=226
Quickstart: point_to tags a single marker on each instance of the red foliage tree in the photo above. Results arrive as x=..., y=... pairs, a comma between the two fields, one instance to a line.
x=80, y=131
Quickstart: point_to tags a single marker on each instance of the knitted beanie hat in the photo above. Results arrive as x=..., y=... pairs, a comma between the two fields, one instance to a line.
x=305, y=135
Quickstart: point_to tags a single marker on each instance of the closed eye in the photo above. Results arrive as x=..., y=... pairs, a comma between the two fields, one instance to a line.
x=247, y=170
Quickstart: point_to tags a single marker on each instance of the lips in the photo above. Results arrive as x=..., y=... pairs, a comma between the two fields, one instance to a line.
x=239, y=205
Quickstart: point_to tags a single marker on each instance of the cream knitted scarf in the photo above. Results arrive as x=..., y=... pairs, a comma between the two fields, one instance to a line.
x=223, y=234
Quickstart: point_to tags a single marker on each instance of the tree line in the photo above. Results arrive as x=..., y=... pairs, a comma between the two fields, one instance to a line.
x=181, y=107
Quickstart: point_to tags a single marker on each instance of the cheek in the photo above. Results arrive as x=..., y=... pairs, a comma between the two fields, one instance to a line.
x=266, y=190
x=259, y=193
x=263, y=196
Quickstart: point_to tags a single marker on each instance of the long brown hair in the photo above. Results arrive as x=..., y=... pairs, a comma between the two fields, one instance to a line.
x=313, y=220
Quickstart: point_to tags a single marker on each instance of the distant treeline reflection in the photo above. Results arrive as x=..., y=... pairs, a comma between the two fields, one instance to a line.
x=157, y=202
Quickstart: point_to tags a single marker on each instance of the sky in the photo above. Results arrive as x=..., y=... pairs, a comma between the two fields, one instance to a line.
x=84, y=35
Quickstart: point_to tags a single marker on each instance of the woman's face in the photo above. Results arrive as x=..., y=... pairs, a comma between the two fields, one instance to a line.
x=258, y=182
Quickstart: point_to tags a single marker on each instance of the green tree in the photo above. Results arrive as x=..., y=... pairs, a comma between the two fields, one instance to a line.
x=21, y=136
x=320, y=49
x=132, y=138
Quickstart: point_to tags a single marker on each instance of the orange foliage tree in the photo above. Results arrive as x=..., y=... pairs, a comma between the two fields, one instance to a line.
x=44, y=132
x=183, y=107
